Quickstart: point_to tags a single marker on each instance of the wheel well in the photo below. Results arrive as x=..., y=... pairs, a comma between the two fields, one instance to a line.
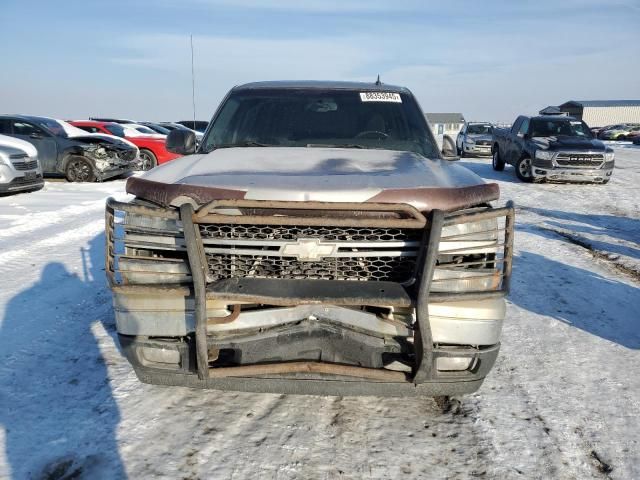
x=71, y=154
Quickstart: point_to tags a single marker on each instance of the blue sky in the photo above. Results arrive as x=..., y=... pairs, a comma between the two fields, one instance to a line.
x=487, y=59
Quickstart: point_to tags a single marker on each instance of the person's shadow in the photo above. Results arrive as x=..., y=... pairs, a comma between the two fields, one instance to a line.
x=56, y=404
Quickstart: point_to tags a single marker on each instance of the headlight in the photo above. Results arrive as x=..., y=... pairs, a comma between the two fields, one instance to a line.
x=544, y=155
x=4, y=159
x=608, y=156
x=470, y=141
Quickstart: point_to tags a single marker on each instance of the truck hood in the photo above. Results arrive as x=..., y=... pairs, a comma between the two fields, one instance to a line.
x=313, y=174
x=480, y=136
x=568, y=143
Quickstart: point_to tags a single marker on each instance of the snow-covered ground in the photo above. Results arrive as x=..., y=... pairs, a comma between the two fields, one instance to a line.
x=562, y=402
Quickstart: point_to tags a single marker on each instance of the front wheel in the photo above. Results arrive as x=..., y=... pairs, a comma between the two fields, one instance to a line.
x=149, y=160
x=79, y=169
x=497, y=162
x=523, y=169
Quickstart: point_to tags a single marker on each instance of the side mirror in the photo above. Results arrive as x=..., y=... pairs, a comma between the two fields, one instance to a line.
x=526, y=136
x=182, y=142
x=449, y=150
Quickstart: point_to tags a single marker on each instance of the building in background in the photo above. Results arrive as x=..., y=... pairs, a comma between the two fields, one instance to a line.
x=445, y=123
x=598, y=113
x=551, y=110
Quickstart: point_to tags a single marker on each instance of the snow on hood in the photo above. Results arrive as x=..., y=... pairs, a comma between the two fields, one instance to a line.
x=556, y=142
x=285, y=173
x=480, y=136
x=6, y=141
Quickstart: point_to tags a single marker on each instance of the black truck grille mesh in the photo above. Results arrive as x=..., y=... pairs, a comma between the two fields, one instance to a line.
x=393, y=269
x=379, y=267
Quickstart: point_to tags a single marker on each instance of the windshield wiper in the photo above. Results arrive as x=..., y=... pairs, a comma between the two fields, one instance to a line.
x=249, y=143
x=328, y=145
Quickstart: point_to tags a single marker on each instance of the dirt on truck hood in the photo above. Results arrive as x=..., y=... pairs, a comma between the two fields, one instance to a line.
x=313, y=174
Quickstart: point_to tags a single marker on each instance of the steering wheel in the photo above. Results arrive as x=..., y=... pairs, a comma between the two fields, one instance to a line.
x=372, y=134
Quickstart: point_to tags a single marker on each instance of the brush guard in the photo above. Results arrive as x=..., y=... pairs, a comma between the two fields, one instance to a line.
x=269, y=291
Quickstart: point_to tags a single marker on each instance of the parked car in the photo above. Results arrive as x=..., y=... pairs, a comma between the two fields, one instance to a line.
x=20, y=169
x=176, y=126
x=111, y=120
x=196, y=125
x=69, y=151
x=552, y=148
x=153, y=151
x=475, y=138
x=157, y=128
x=620, y=132
x=137, y=130
x=316, y=242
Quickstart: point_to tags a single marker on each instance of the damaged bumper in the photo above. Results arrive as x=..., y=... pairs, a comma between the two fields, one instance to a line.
x=179, y=324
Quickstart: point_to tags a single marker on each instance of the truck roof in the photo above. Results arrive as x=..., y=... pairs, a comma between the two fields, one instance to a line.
x=322, y=85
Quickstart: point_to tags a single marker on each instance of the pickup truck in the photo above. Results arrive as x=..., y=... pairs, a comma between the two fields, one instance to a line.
x=553, y=147
x=314, y=242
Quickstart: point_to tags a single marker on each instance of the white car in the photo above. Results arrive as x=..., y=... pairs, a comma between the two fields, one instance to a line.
x=20, y=168
x=136, y=130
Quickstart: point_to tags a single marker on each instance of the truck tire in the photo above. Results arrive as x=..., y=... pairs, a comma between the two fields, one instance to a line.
x=523, y=169
x=148, y=158
x=497, y=162
x=79, y=169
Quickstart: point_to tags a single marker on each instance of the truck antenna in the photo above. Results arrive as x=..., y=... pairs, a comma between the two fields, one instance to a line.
x=193, y=86
x=378, y=82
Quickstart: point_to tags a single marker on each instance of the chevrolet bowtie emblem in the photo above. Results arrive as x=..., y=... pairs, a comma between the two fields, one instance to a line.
x=308, y=249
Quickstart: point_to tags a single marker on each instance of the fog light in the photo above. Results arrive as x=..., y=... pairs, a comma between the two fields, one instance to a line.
x=161, y=355
x=453, y=364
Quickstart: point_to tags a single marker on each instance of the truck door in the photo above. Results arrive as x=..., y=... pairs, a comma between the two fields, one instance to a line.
x=518, y=141
x=43, y=141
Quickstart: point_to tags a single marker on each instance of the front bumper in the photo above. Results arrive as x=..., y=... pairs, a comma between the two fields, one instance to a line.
x=598, y=175
x=18, y=181
x=314, y=337
x=479, y=150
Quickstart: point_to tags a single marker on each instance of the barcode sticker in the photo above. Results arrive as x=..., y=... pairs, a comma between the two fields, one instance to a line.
x=380, y=97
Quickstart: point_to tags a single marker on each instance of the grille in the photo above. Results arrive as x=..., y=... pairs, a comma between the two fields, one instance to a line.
x=25, y=181
x=393, y=269
x=32, y=165
x=127, y=155
x=580, y=159
x=483, y=142
x=359, y=254
x=279, y=232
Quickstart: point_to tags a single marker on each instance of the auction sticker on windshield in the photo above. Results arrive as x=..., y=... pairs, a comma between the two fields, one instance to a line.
x=380, y=97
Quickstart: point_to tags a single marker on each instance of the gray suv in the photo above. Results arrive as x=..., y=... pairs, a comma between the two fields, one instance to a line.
x=475, y=139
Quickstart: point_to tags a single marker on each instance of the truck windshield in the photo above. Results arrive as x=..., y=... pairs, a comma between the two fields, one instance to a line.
x=321, y=118
x=558, y=128
x=479, y=129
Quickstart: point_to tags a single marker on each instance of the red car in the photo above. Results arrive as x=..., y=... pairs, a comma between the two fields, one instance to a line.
x=152, y=149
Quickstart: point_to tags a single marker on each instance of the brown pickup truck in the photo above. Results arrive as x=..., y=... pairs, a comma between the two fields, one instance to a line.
x=314, y=242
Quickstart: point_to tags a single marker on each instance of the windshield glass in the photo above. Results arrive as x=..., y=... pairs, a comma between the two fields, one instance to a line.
x=115, y=129
x=479, y=129
x=557, y=128
x=318, y=118
x=158, y=129
x=59, y=128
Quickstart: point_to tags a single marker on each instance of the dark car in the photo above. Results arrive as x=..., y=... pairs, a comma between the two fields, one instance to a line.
x=552, y=147
x=156, y=127
x=66, y=150
x=195, y=125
